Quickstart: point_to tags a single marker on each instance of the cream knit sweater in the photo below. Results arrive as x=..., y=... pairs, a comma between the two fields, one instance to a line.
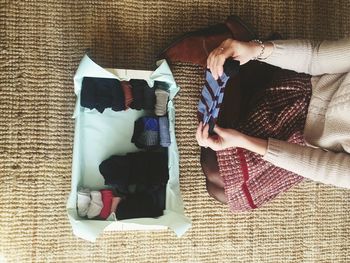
x=326, y=158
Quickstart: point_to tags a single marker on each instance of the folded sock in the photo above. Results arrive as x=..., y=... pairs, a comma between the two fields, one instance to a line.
x=118, y=103
x=150, y=123
x=107, y=196
x=148, y=139
x=146, y=132
x=138, y=86
x=138, y=205
x=164, y=132
x=102, y=93
x=96, y=204
x=83, y=201
x=116, y=170
x=161, y=102
x=126, y=86
x=149, y=98
x=149, y=168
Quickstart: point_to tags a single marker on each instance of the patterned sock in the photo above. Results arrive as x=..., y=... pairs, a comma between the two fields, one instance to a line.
x=161, y=102
x=83, y=201
x=107, y=196
x=213, y=93
x=150, y=123
x=164, y=131
x=211, y=97
x=146, y=132
x=96, y=204
x=149, y=138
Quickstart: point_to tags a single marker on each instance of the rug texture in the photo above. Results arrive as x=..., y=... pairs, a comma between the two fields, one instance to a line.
x=41, y=44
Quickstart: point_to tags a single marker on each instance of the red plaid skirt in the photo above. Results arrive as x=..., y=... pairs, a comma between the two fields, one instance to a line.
x=279, y=112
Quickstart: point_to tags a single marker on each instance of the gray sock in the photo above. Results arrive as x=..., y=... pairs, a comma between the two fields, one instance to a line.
x=162, y=96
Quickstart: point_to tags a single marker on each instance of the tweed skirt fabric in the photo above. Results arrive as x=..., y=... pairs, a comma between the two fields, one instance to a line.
x=279, y=112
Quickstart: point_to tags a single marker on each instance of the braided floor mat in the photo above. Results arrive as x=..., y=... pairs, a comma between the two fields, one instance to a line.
x=41, y=44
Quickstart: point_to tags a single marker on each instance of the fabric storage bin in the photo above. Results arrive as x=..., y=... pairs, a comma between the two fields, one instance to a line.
x=98, y=136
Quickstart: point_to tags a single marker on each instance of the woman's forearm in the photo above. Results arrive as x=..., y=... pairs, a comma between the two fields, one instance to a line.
x=257, y=50
x=254, y=144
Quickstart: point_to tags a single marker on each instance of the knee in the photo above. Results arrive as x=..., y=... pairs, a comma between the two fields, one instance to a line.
x=214, y=178
x=210, y=167
x=216, y=192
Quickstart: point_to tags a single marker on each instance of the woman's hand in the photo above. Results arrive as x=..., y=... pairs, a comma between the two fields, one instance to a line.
x=227, y=138
x=238, y=50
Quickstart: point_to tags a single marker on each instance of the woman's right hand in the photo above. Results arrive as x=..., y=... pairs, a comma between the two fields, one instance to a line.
x=238, y=50
x=224, y=138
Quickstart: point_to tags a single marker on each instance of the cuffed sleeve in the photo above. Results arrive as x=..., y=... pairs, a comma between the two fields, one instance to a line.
x=314, y=58
x=312, y=163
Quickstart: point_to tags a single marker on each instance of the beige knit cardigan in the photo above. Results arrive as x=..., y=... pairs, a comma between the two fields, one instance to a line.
x=326, y=157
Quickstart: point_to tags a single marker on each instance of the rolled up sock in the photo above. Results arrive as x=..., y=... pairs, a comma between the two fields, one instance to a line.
x=162, y=96
x=96, y=204
x=83, y=201
x=126, y=86
x=164, y=132
x=107, y=196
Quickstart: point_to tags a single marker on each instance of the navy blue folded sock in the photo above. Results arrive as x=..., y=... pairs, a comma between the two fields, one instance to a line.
x=102, y=93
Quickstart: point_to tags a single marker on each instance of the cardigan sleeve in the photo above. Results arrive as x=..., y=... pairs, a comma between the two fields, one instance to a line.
x=312, y=163
x=314, y=58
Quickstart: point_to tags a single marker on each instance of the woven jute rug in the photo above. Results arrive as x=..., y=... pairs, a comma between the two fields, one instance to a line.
x=41, y=44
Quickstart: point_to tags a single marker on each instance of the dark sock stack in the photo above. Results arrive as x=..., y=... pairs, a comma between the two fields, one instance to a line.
x=141, y=205
x=102, y=93
x=143, y=177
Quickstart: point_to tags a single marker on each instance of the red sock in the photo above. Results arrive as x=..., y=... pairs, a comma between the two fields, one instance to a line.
x=107, y=196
